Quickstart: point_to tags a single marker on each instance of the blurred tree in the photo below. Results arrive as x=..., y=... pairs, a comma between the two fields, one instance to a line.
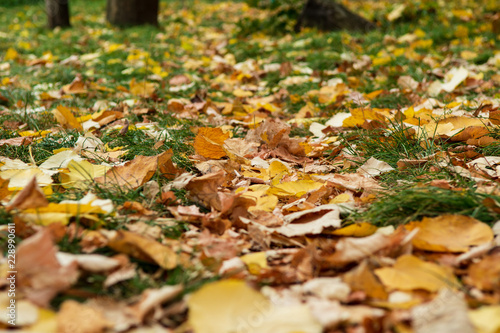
x=132, y=12
x=57, y=13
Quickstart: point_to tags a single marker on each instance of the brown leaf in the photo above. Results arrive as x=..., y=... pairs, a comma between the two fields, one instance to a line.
x=31, y=196
x=362, y=278
x=143, y=248
x=179, y=80
x=484, y=274
x=19, y=141
x=204, y=189
x=40, y=275
x=136, y=172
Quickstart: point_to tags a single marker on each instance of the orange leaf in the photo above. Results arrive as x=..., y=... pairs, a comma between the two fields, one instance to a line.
x=450, y=233
x=136, y=172
x=208, y=142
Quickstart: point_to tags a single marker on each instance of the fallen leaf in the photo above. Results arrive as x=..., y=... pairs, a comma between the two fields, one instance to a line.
x=74, y=317
x=143, y=248
x=153, y=298
x=486, y=319
x=237, y=307
x=40, y=275
x=362, y=278
x=142, y=89
x=447, y=313
x=374, y=167
x=411, y=273
x=484, y=274
x=450, y=233
x=66, y=118
x=136, y=172
x=208, y=142
x=29, y=197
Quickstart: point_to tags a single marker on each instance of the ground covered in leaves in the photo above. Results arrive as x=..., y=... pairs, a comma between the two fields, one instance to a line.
x=221, y=173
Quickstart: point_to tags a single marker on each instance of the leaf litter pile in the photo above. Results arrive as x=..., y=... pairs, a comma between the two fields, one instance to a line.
x=213, y=175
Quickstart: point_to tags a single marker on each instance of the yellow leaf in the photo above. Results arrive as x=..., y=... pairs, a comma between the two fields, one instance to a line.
x=46, y=322
x=296, y=188
x=450, y=233
x=276, y=168
x=66, y=118
x=238, y=307
x=381, y=61
x=142, y=89
x=242, y=93
x=89, y=206
x=410, y=273
x=19, y=178
x=11, y=54
x=486, y=319
x=341, y=198
x=81, y=173
x=208, y=142
x=362, y=229
x=255, y=261
x=359, y=115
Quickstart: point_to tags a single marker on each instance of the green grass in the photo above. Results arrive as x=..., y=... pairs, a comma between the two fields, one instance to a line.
x=403, y=206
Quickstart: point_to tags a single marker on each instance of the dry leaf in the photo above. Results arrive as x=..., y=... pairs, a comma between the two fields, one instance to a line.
x=410, y=273
x=74, y=317
x=40, y=275
x=143, y=248
x=447, y=313
x=450, y=233
x=136, y=172
x=208, y=142
x=374, y=167
x=66, y=118
x=29, y=197
x=237, y=307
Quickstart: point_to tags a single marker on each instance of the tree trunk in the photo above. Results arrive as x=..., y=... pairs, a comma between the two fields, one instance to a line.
x=329, y=15
x=57, y=13
x=132, y=12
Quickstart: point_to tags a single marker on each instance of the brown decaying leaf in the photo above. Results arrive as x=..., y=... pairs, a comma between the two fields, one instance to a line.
x=40, y=275
x=136, y=172
x=29, y=197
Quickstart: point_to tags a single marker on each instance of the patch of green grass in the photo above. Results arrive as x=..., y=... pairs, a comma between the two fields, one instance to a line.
x=389, y=145
x=411, y=204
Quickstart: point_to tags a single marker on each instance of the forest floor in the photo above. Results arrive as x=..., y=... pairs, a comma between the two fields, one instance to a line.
x=221, y=173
